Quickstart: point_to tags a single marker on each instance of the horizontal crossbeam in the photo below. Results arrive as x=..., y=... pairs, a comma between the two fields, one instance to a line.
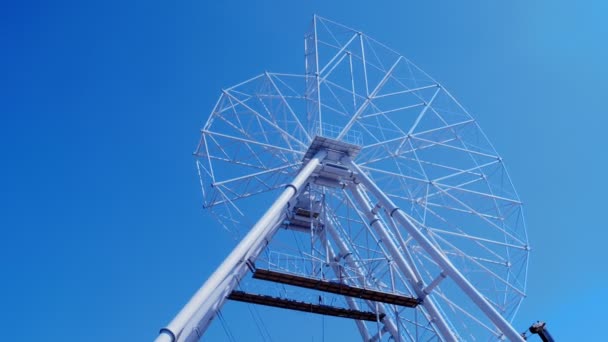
x=304, y=306
x=336, y=288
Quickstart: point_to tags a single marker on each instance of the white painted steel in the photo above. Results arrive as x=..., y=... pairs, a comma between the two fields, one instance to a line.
x=440, y=258
x=235, y=263
x=436, y=317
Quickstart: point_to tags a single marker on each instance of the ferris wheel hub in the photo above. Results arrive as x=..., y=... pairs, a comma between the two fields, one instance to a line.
x=336, y=149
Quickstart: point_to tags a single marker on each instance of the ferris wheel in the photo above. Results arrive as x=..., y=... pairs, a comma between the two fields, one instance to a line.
x=363, y=178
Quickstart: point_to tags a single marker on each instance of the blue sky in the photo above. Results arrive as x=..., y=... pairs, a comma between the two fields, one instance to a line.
x=104, y=238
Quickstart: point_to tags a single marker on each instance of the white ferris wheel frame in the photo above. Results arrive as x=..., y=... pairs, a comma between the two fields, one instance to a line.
x=385, y=217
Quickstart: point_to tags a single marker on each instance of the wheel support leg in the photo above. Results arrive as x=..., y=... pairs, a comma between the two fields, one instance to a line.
x=192, y=321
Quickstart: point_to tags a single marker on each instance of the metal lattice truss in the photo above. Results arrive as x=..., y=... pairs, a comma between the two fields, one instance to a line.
x=417, y=144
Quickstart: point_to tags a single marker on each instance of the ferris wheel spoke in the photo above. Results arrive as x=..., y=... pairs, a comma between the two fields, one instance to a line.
x=233, y=162
x=385, y=142
x=293, y=114
x=478, y=259
x=407, y=91
x=335, y=110
x=467, y=171
x=423, y=111
x=442, y=206
x=341, y=55
x=380, y=65
x=198, y=153
x=344, y=89
x=398, y=175
x=492, y=224
x=364, y=62
x=367, y=131
x=363, y=106
x=338, y=101
x=416, y=324
x=219, y=148
x=477, y=241
x=430, y=144
x=483, y=267
x=280, y=78
x=352, y=80
x=445, y=187
x=458, y=186
x=386, y=117
x=434, y=143
x=268, y=171
x=330, y=33
x=351, y=239
x=389, y=111
x=248, y=81
x=229, y=202
x=442, y=128
x=240, y=129
x=453, y=305
x=288, y=137
x=267, y=134
x=462, y=234
x=248, y=141
x=433, y=164
x=407, y=188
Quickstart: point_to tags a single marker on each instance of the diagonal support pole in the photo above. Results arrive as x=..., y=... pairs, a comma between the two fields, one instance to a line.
x=438, y=257
x=194, y=318
x=437, y=318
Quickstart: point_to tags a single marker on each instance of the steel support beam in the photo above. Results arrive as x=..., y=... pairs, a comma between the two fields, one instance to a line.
x=438, y=257
x=192, y=321
x=437, y=318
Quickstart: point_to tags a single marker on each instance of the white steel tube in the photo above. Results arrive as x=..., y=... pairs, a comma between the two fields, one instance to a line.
x=236, y=261
x=349, y=300
x=368, y=101
x=436, y=318
x=505, y=327
x=198, y=324
x=354, y=264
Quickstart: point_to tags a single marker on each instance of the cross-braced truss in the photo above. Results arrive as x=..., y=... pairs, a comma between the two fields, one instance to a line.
x=415, y=142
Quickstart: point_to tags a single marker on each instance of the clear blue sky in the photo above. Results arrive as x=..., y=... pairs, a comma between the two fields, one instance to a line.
x=103, y=235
